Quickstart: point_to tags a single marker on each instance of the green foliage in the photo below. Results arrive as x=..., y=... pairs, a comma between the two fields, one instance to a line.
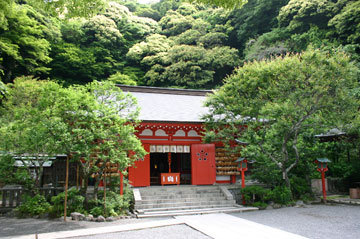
x=281, y=195
x=24, y=48
x=260, y=205
x=254, y=194
x=33, y=206
x=300, y=188
x=123, y=79
x=42, y=118
x=70, y=8
x=115, y=204
x=75, y=203
x=223, y=3
x=282, y=101
x=255, y=18
x=19, y=175
x=24, y=128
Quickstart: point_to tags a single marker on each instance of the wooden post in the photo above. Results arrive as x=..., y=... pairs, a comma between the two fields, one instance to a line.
x=77, y=177
x=169, y=161
x=66, y=185
x=105, y=194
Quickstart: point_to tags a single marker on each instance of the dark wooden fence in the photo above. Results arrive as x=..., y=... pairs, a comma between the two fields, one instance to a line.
x=11, y=197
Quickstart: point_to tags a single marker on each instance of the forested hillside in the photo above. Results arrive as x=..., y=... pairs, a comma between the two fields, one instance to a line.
x=171, y=43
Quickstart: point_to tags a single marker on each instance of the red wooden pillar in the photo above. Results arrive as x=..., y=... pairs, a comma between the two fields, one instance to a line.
x=233, y=179
x=169, y=162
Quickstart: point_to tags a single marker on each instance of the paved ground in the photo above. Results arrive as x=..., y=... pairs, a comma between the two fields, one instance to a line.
x=316, y=221
x=174, y=232
x=11, y=227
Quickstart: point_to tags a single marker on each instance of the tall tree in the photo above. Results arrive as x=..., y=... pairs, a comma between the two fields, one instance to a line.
x=280, y=101
x=92, y=124
x=23, y=132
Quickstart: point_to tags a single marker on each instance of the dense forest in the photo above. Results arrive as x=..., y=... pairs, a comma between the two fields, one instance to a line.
x=170, y=43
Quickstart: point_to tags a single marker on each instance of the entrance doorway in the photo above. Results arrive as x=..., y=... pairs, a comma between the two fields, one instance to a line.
x=180, y=163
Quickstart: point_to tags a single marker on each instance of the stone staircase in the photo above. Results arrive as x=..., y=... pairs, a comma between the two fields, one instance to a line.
x=159, y=201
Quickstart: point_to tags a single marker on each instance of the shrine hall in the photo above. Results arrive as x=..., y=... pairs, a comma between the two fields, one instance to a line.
x=171, y=131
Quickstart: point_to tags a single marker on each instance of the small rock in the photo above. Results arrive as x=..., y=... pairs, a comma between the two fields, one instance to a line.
x=110, y=219
x=300, y=204
x=76, y=216
x=122, y=217
x=89, y=218
x=269, y=207
x=133, y=215
x=100, y=219
x=276, y=206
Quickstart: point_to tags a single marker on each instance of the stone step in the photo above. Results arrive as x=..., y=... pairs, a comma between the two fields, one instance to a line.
x=185, y=204
x=179, y=192
x=142, y=211
x=167, y=189
x=176, y=196
x=179, y=200
x=196, y=211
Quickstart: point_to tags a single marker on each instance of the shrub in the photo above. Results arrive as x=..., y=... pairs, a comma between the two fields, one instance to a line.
x=32, y=206
x=115, y=204
x=260, y=205
x=74, y=203
x=253, y=194
x=300, y=188
x=281, y=195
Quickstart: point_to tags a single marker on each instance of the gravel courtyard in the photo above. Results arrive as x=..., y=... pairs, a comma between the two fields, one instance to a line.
x=314, y=221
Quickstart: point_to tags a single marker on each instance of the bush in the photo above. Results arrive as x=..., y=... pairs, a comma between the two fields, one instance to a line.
x=115, y=204
x=253, y=194
x=74, y=203
x=33, y=206
x=300, y=188
x=281, y=195
x=260, y=205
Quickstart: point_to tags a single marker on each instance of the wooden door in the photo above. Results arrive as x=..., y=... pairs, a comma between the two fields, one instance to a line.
x=203, y=170
x=139, y=174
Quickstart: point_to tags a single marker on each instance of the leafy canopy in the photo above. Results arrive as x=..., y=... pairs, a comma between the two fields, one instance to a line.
x=280, y=101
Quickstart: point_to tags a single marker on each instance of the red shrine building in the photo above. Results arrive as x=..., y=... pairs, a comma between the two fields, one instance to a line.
x=171, y=132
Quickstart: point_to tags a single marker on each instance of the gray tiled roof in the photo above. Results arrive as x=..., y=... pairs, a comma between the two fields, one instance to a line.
x=170, y=107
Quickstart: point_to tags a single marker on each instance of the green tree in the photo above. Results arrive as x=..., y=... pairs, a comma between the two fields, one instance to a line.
x=223, y=3
x=95, y=124
x=280, y=101
x=255, y=18
x=92, y=124
x=24, y=133
x=24, y=46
